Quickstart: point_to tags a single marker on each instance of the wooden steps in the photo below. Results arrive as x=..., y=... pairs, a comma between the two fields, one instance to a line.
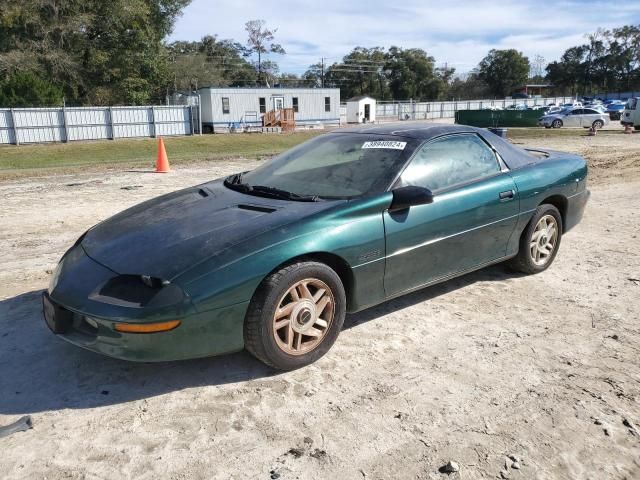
x=283, y=118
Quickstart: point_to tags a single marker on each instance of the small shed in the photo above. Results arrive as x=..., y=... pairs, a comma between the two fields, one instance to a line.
x=361, y=109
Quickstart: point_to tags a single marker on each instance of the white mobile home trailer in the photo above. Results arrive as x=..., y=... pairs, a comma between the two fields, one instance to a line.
x=224, y=108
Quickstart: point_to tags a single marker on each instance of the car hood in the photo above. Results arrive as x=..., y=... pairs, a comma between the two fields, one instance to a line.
x=166, y=236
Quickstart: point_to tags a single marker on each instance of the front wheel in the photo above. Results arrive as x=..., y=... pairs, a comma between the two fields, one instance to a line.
x=598, y=124
x=556, y=124
x=295, y=316
x=540, y=241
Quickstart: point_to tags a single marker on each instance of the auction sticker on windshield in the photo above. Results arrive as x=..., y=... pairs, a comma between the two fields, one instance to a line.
x=385, y=144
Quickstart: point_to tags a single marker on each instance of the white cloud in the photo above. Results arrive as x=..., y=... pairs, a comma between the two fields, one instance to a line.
x=457, y=32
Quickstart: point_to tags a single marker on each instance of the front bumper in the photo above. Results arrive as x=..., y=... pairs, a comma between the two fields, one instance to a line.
x=74, y=313
x=203, y=334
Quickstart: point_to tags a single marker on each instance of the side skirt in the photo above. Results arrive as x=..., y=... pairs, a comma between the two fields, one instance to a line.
x=438, y=280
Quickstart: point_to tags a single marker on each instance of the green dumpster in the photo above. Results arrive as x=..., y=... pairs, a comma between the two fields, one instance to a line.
x=498, y=118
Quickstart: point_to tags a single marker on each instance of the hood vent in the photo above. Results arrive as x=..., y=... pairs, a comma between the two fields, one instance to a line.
x=257, y=208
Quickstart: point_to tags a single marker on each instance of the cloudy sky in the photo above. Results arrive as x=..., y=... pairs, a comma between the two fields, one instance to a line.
x=459, y=32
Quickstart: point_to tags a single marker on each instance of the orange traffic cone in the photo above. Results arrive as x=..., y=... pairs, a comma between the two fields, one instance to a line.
x=162, y=163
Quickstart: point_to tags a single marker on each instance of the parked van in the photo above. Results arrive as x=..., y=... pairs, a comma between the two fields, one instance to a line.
x=631, y=114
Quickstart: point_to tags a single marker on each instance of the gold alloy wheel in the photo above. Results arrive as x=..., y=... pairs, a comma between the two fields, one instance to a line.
x=544, y=240
x=303, y=316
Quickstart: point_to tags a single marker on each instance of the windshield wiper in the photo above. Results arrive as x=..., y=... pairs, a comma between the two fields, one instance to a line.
x=234, y=182
x=284, y=194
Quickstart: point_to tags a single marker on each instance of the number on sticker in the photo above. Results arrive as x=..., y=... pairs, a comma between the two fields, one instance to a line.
x=385, y=144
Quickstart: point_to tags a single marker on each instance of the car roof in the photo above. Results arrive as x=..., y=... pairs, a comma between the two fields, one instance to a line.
x=512, y=155
x=417, y=130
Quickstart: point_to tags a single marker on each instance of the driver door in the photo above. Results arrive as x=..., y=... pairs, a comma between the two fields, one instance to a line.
x=474, y=212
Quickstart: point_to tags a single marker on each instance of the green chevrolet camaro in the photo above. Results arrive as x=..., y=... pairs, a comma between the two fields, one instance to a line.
x=271, y=260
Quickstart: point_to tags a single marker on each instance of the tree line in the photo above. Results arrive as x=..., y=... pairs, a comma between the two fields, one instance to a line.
x=609, y=61
x=92, y=52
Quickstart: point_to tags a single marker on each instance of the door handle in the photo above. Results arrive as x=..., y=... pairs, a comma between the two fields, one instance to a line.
x=508, y=195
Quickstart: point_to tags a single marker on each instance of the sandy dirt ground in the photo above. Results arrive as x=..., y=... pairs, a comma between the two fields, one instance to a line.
x=488, y=365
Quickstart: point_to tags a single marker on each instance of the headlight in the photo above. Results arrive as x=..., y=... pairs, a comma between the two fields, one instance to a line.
x=138, y=291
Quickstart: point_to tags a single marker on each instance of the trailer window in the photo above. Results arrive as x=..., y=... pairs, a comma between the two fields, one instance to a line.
x=327, y=104
x=632, y=103
x=263, y=105
x=295, y=104
x=225, y=105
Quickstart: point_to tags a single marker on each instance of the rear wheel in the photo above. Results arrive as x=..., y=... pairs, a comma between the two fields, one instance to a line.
x=557, y=124
x=295, y=315
x=598, y=124
x=540, y=241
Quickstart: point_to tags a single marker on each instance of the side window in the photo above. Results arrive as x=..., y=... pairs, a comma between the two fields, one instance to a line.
x=632, y=103
x=295, y=104
x=225, y=105
x=577, y=111
x=263, y=104
x=450, y=161
x=327, y=104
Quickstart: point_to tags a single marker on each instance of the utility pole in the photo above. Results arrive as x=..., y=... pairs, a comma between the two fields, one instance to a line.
x=322, y=75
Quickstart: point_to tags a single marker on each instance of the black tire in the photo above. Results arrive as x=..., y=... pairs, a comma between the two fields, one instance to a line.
x=546, y=127
x=598, y=124
x=259, y=337
x=556, y=124
x=523, y=261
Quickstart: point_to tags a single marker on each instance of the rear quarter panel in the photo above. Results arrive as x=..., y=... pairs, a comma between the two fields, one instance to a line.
x=560, y=175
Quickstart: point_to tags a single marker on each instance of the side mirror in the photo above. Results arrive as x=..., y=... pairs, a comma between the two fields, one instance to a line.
x=405, y=197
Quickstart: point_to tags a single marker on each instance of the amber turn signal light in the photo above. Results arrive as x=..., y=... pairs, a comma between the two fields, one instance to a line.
x=147, y=327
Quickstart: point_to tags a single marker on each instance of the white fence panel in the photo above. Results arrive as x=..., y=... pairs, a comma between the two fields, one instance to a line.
x=172, y=121
x=131, y=122
x=6, y=127
x=41, y=125
x=88, y=123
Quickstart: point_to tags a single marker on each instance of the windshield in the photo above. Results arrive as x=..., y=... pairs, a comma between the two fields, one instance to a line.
x=332, y=166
